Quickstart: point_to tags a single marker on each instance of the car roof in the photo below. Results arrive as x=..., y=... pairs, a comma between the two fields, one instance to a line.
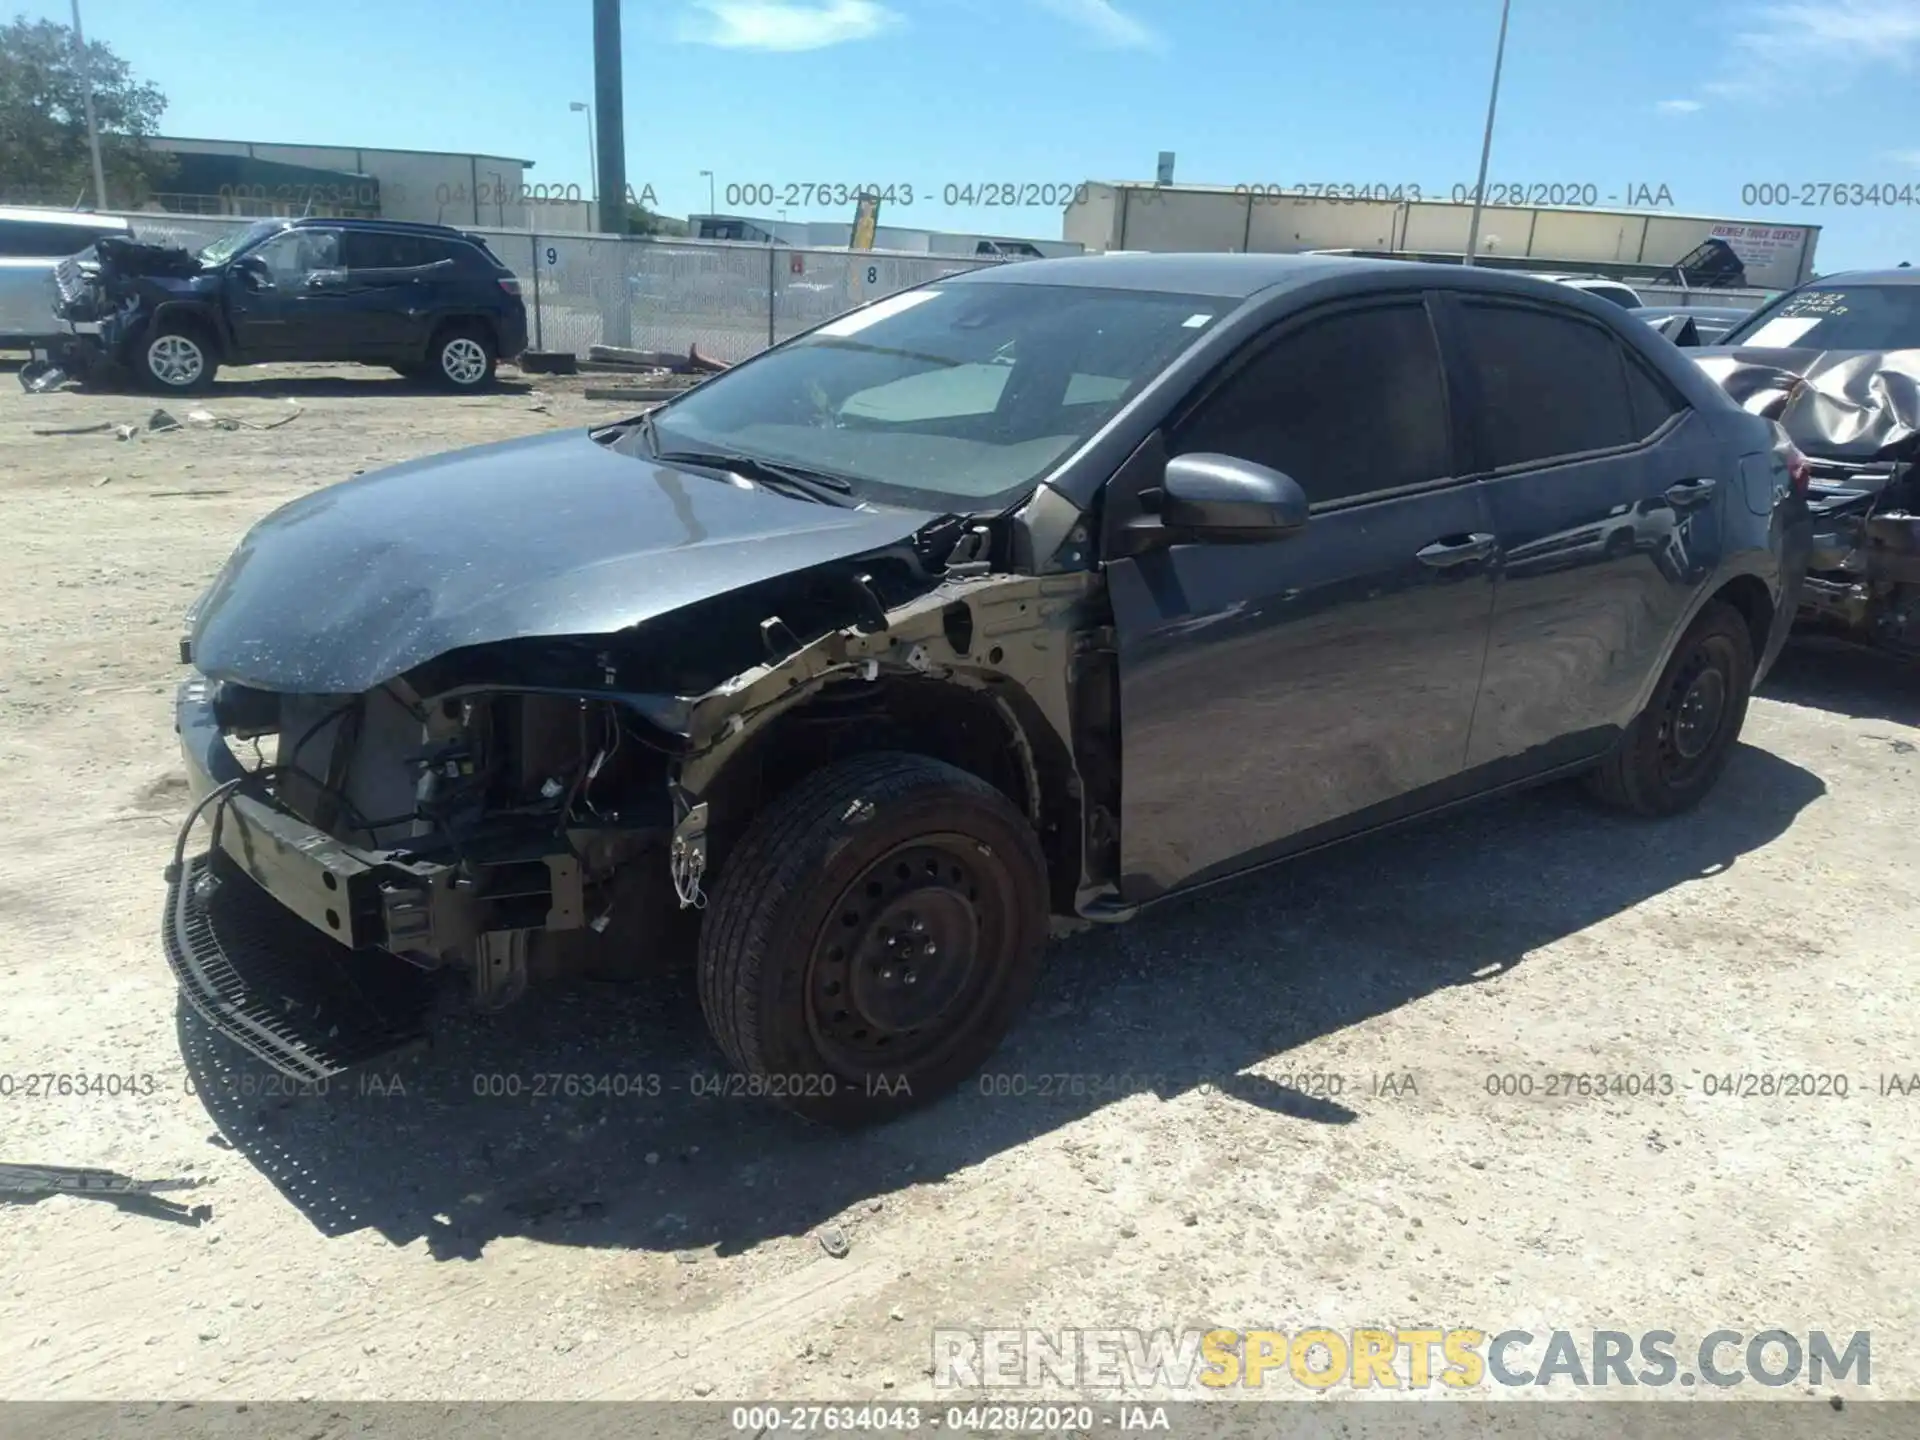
x=1239, y=276
x=1865, y=277
x=404, y=227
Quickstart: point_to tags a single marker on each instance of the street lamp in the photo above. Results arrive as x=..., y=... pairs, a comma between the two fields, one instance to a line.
x=1486, y=142
x=86, y=90
x=593, y=169
x=709, y=176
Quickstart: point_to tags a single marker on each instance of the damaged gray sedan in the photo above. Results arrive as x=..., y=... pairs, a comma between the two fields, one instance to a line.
x=1023, y=598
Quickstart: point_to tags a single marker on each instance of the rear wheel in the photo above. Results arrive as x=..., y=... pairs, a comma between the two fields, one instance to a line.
x=1676, y=748
x=873, y=937
x=461, y=358
x=175, y=359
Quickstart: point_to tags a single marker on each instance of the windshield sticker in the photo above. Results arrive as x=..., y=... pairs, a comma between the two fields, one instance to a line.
x=873, y=314
x=1779, y=334
x=1194, y=322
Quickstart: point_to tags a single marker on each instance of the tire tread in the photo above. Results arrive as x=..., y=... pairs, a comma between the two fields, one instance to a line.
x=775, y=856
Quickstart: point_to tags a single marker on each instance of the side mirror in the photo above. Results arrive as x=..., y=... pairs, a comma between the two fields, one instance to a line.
x=1218, y=497
x=252, y=272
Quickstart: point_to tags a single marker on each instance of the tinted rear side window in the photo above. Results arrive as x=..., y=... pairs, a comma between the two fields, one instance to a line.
x=380, y=250
x=1349, y=404
x=1545, y=385
x=1653, y=404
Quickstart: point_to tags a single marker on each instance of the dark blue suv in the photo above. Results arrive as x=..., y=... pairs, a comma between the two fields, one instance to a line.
x=428, y=300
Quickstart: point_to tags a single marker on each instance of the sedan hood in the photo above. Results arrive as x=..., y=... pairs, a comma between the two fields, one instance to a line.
x=1853, y=405
x=546, y=536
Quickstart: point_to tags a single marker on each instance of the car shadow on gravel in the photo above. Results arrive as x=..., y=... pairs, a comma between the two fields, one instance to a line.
x=479, y=1137
x=1828, y=674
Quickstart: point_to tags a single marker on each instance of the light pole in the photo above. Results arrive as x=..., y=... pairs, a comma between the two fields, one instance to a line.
x=86, y=90
x=709, y=177
x=1486, y=143
x=592, y=153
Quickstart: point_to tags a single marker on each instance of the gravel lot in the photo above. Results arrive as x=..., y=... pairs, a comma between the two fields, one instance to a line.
x=1228, y=1154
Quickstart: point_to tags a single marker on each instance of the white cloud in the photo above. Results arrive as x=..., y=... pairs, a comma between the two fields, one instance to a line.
x=1800, y=46
x=784, y=24
x=1904, y=157
x=1793, y=46
x=1105, y=24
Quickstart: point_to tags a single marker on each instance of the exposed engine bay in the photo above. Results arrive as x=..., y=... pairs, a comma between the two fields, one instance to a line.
x=1855, y=419
x=110, y=292
x=544, y=806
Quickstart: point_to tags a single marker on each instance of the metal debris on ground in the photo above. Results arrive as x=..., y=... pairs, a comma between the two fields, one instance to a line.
x=161, y=420
x=103, y=426
x=125, y=432
x=31, y=1183
x=37, y=377
x=833, y=1240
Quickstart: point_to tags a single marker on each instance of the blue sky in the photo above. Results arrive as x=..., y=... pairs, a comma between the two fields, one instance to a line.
x=1701, y=97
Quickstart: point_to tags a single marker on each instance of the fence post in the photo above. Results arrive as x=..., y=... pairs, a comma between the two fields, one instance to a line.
x=770, y=283
x=534, y=240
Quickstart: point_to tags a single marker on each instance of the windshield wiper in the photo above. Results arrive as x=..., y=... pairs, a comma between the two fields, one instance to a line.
x=817, y=485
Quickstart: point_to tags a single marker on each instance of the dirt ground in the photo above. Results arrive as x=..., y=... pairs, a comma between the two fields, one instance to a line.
x=1228, y=1156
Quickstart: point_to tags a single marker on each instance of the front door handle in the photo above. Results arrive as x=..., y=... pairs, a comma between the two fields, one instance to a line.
x=1451, y=550
x=1689, y=493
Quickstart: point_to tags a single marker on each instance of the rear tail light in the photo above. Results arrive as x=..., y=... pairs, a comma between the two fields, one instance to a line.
x=510, y=285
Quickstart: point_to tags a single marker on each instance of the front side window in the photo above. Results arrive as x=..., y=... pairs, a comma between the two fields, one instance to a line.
x=1349, y=404
x=1546, y=385
x=293, y=255
x=951, y=396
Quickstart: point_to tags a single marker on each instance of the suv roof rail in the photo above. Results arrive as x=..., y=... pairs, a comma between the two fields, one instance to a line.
x=422, y=227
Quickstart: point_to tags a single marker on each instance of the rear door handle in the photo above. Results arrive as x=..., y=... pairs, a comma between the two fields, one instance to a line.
x=1451, y=550
x=1689, y=493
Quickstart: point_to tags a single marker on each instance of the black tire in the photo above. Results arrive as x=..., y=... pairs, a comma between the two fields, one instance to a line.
x=1674, y=751
x=175, y=357
x=460, y=357
x=804, y=972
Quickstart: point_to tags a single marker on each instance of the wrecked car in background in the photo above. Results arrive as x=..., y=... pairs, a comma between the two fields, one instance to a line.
x=1031, y=595
x=427, y=300
x=33, y=242
x=1837, y=364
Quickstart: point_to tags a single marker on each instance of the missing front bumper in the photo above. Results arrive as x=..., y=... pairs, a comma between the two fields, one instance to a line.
x=307, y=1006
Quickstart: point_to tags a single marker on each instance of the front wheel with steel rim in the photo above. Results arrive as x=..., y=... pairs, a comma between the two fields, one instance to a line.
x=872, y=937
x=176, y=360
x=462, y=359
x=1674, y=751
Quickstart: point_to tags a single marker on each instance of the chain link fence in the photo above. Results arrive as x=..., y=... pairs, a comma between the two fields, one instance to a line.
x=729, y=298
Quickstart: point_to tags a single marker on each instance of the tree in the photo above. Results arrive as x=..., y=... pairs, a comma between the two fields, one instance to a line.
x=642, y=221
x=43, y=120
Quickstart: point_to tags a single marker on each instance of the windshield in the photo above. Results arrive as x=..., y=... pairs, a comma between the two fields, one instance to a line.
x=1845, y=317
x=955, y=397
x=234, y=241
